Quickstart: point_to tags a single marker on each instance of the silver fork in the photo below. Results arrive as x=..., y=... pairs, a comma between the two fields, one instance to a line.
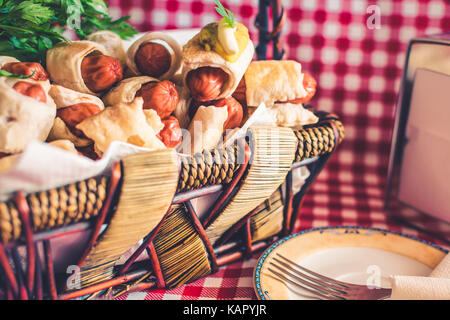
x=321, y=286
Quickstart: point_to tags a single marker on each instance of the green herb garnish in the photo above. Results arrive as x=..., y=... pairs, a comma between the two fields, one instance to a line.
x=4, y=73
x=225, y=13
x=29, y=28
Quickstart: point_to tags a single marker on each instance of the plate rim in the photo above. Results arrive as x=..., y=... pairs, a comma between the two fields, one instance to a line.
x=273, y=246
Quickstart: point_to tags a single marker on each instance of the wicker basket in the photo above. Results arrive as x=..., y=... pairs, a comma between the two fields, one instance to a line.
x=250, y=212
x=30, y=222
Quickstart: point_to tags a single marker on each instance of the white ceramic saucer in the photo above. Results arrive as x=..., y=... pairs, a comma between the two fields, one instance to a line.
x=353, y=254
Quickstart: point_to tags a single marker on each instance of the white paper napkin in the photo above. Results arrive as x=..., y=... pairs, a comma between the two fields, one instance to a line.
x=434, y=287
x=42, y=166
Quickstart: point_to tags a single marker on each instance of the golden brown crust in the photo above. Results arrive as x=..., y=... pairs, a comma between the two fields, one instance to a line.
x=272, y=80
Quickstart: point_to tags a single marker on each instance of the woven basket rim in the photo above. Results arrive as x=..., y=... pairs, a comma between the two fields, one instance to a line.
x=324, y=121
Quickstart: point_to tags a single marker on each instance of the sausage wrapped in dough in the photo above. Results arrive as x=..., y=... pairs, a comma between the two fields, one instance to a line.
x=83, y=66
x=26, y=113
x=208, y=71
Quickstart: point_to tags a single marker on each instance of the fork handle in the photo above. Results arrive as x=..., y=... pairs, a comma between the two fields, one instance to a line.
x=420, y=288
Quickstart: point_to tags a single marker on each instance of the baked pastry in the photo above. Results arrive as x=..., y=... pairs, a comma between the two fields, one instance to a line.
x=125, y=91
x=155, y=54
x=72, y=108
x=161, y=96
x=205, y=129
x=26, y=113
x=83, y=66
x=63, y=144
x=282, y=87
x=291, y=115
x=112, y=43
x=123, y=122
x=273, y=81
x=209, y=71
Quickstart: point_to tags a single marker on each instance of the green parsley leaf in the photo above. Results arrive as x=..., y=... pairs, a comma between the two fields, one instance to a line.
x=29, y=28
x=4, y=73
x=225, y=13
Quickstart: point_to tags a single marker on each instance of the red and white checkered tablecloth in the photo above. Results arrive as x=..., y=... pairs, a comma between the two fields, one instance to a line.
x=358, y=71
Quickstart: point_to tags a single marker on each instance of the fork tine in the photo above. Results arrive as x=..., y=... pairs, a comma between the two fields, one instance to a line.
x=318, y=281
x=324, y=290
x=312, y=291
x=322, y=277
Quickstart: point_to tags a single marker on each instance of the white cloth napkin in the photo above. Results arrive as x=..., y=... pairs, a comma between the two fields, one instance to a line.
x=434, y=287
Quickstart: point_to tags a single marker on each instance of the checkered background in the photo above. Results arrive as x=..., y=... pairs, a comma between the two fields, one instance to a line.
x=358, y=71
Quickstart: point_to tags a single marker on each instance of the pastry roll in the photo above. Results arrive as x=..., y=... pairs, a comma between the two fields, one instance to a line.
x=83, y=66
x=26, y=113
x=123, y=122
x=275, y=81
x=72, y=108
x=112, y=43
x=206, y=128
x=161, y=96
x=282, y=87
x=32, y=70
x=64, y=97
x=125, y=91
x=148, y=56
x=208, y=72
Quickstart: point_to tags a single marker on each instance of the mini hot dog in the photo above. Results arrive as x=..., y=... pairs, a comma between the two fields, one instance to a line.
x=26, y=113
x=209, y=70
x=206, y=83
x=147, y=56
x=275, y=82
x=101, y=72
x=123, y=122
x=83, y=66
x=72, y=108
x=32, y=90
x=75, y=114
x=160, y=96
x=34, y=70
x=171, y=134
x=153, y=59
x=112, y=43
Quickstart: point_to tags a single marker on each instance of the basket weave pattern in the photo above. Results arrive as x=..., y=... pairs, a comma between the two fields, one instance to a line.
x=82, y=201
x=180, y=235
